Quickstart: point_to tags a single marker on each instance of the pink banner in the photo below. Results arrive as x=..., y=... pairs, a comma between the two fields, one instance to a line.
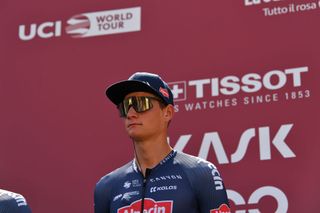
x=244, y=76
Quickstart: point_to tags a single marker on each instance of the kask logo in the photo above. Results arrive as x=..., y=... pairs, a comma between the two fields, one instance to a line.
x=150, y=206
x=212, y=140
x=87, y=25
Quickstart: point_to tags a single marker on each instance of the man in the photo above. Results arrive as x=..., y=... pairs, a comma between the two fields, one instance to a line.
x=11, y=202
x=158, y=179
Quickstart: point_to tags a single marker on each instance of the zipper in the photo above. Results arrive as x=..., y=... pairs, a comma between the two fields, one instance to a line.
x=145, y=178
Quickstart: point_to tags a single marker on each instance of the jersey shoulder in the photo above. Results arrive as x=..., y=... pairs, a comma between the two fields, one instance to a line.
x=205, y=181
x=198, y=170
x=193, y=163
x=115, y=176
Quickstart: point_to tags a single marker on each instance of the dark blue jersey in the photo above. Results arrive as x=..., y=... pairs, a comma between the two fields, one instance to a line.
x=11, y=202
x=178, y=184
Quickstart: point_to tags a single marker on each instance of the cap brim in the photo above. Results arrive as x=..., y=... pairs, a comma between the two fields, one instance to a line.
x=116, y=92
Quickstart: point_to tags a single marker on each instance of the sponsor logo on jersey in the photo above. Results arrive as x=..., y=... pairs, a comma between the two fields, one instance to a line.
x=224, y=208
x=127, y=196
x=165, y=178
x=133, y=183
x=117, y=197
x=150, y=206
x=215, y=174
x=136, y=183
x=127, y=184
x=162, y=188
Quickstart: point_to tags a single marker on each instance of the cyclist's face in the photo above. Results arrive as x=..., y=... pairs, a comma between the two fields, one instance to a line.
x=143, y=125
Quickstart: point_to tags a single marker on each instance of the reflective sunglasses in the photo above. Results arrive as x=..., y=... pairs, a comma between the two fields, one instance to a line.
x=139, y=104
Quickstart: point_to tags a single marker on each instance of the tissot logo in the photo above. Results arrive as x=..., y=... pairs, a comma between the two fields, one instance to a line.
x=234, y=90
x=86, y=25
x=231, y=85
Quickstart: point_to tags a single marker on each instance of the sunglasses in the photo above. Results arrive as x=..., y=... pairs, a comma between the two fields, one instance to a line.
x=139, y=104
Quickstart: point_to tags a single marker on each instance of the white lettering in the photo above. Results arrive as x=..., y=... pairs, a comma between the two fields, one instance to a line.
x=22, y=32
x=281, y=82
x=296, y=72
x=249, y=83
x=45, y=30
x=243, y=145
x=212, y=139
x=199, y=86
x=251, y=80
x=230, y=82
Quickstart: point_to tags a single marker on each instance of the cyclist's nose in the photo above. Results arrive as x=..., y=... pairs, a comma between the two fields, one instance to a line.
x=131, y=112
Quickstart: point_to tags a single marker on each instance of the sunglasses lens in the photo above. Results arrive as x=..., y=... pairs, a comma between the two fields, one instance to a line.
x=140, y=104
x=121, y=110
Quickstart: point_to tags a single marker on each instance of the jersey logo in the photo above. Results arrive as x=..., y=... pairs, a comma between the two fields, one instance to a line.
x=150, y=206
x=223, y=208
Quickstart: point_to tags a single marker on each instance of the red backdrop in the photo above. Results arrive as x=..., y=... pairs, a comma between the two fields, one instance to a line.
x=245, y=74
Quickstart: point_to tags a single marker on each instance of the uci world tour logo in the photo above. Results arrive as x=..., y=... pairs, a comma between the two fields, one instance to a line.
x=86, y=25
x=104, y=22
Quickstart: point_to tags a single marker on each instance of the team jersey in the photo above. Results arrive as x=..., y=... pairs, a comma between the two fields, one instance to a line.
x=180, y=183
x=11, y=202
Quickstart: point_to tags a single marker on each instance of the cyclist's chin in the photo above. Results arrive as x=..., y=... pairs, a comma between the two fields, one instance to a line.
x=135, y=131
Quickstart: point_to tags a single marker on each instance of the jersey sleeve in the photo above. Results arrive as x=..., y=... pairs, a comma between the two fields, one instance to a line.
x=209, y=188
x=102, y=197
x=207, y=185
